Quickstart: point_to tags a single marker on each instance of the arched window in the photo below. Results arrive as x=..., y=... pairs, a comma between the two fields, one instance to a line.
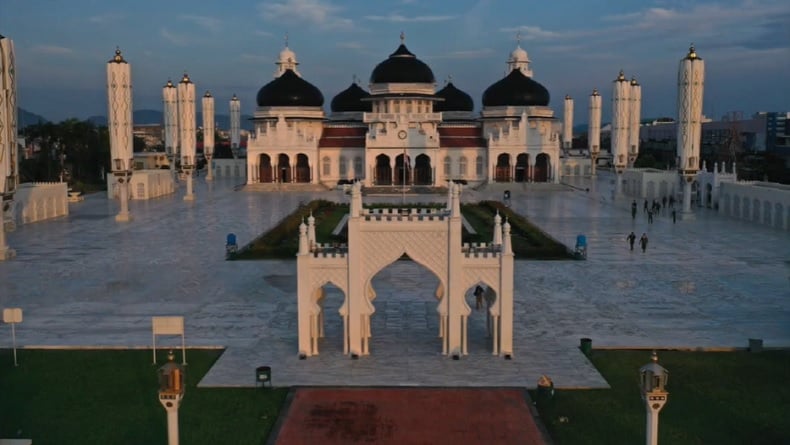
x=479, y=166
x=408, y=106
x=462, y=166
x=359, y=172
x=342, y=167
x=447, y=171
x=326, y=169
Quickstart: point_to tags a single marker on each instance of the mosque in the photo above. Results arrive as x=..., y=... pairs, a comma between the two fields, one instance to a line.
x=402, y=131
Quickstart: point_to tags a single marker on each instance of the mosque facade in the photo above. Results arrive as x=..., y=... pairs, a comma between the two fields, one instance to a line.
x=401, y=130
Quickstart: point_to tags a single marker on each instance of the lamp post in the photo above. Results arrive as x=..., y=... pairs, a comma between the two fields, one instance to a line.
x=653, y=379
x=171, y=391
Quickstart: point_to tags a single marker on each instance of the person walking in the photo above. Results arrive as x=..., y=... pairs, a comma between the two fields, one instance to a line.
x=633, y=210
x=643, y=242
x=650, y=216
x=631, y=238
x=645, y=208
x=674, y=216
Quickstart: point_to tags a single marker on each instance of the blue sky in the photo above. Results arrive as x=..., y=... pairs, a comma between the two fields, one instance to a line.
x=230, y=47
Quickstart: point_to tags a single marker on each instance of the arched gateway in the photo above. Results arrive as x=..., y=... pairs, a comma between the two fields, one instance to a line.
x=432, y=238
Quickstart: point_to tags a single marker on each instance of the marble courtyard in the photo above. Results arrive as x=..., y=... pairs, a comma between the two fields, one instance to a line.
x=85, y=280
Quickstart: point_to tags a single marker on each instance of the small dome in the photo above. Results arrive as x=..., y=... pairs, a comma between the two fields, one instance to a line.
x=519, y=55
x=289, y=90
x=350, y=99
x=286, y=55
x=516, y=89
x=402, y=67
x=454, y=99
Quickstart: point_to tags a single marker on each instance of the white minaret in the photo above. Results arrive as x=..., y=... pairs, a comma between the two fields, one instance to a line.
x=186, y=130
x=634, y=115
x=620, y=122
x=170, y=102
x=519, y=60
x=691, y=83
x=567, y=124
x=287, y=61
x=594, y=128
x=8, y=133
x=208, y=133
x=119, y=125
x=235, y=125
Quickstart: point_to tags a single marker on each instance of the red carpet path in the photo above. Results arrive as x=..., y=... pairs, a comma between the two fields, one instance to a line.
x=328, y=416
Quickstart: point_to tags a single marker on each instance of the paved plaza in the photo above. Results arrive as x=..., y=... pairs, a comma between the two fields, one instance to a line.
x=88, y=281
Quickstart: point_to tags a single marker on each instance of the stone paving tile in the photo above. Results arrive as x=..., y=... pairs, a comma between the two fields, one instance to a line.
x=85, y=280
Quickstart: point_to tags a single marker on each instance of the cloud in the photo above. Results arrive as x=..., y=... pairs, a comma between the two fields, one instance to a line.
x=397, y=18
x=468, y=54
x=263, y=33
x=316, y=12
x=106, y=18
x=52, y=50
x=174, y=38
x=526, y=32
x=208, y=23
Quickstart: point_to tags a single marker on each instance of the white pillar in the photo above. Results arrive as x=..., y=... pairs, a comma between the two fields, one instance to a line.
x=119, y=126
x=172, y=425
x=8, y=136
x=235, y=124
x=634, y=116
x=186, y=127
x=691, y=79
x=594, y=128
x=620, y=122
x=652, y=427
x=208, y=133
x=567, y=124
x=170, y=101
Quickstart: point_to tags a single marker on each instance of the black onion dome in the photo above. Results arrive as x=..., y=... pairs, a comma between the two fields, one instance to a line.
x=516, y=89
x=454, y=100
x=402, y=67
x=350, y=99
x=289, y=90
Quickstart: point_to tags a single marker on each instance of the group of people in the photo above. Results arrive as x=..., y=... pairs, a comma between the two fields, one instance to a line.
x=642, y=241
x=655, y=208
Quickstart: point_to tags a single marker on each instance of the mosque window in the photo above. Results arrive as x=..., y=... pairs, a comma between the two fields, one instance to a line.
x=342, y=164
x=447, y=170
x=358, y=171
x=479, y=166
x=462, y=166
x=327, y=166
x=408, y=106
x=396, y=106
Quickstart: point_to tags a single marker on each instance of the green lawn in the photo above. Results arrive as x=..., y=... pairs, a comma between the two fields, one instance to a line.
x=714, y=398
x=110, y=397
x=528, y=241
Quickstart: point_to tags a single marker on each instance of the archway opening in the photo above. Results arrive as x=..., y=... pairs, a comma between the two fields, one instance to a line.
x=423, y=172
x=542, y=165
x=284, y=168
x=522, y=167
x=302, y=168
x=383, y=170
x=404, y=295
x=480, y=298
x=265, y=169
x=331, y=325
x=502, y=173
x=402, y=170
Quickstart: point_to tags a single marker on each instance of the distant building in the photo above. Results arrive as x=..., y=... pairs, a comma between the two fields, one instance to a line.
x=152, y=134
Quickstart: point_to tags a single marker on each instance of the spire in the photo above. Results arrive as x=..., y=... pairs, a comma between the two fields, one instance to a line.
x=621, y=77
x=118, y=58
x=518, y=38
x=497, y=241
x=286, y=39
x=595, y=92
x=304, y=244
x=185, y=79
x=692, y=53
x=402, y=37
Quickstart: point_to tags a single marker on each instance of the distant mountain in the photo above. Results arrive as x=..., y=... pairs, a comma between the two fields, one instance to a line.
x=25, y=118
x=144, y=117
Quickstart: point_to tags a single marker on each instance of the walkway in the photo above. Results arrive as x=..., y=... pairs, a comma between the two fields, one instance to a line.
x=86, y=280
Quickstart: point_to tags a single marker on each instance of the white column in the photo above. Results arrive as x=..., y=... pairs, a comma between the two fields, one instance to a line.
x=119, y=126
x=567, y=124
x=8, y=135
x=691, y=80
x=634, y=116
x=170, y=101
x=172, y=426
x=652, y=427
x=186, y=127
x=594, y=128
x=235, y=124
x=208, y=133
x=620, y=122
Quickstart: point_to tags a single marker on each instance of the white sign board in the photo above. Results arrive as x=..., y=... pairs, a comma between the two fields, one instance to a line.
x=169, y=326
x=12, y=315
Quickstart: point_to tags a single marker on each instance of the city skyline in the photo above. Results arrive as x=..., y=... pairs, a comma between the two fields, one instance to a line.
x=60, y=60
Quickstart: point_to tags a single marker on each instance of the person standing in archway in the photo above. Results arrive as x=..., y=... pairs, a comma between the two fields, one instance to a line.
x=478, y=298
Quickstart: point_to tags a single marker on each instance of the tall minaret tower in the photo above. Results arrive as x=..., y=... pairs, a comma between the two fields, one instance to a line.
x=186, y=130
x=287, y=61
x=691, y=83
x=8, y=134
x=635, y=114
x=235, y=125
x=119, y=125
x=170, y=102
x=594, y=128
x=208, y=133
x=567, y=124
x=620, y=122
x=519, y=60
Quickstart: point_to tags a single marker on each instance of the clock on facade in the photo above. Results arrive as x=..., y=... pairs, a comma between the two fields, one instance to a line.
x=402, y=134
